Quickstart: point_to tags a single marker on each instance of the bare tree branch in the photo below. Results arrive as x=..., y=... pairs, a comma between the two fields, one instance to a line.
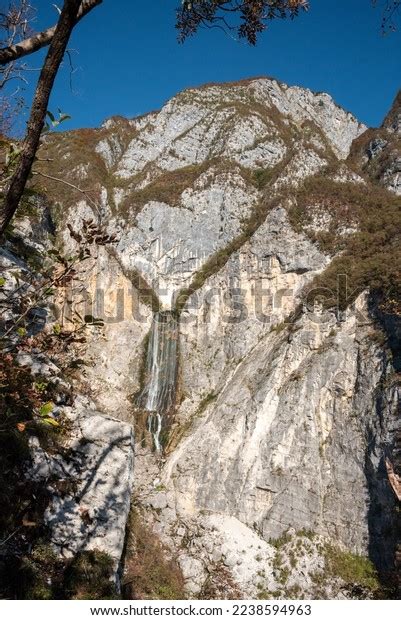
x=84, y=192
x=42, y=39
x=15, y=25
x=66, y=23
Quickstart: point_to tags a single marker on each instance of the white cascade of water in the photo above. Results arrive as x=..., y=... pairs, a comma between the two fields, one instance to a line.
x=155, y=428
x=158, y=395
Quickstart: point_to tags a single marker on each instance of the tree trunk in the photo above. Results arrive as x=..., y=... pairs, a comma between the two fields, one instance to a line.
x=66, y=23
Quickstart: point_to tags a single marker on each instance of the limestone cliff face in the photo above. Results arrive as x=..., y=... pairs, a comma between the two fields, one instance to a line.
x=181, y=184
x=286, y=410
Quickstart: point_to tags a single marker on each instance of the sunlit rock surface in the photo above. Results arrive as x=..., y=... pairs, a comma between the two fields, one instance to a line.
x=284, y=414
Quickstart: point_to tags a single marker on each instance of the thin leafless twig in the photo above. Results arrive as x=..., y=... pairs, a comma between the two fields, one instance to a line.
x=68, y=184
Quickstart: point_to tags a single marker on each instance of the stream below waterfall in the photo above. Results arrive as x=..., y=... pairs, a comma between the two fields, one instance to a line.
x=158, y=394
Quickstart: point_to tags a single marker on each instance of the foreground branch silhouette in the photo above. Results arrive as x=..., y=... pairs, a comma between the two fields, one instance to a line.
x=58, y=45
x=42, y=39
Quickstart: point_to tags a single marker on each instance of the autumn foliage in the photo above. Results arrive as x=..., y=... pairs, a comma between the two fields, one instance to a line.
x=246, y=18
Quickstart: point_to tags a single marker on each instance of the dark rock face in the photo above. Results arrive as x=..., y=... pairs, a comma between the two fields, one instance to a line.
x=392, y=122
x=376, y=147
x=377, y=153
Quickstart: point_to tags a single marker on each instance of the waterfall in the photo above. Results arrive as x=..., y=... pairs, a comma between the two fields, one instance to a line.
x=158, y=395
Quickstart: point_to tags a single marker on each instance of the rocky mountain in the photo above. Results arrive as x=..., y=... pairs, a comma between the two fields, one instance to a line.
x=251, y=341
x=378, y=151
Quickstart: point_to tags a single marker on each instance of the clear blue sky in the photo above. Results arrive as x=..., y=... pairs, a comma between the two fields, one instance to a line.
x=128, y=61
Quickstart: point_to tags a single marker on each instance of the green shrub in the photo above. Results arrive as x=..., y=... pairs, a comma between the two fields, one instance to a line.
x=33, y=575
x=21, y=394
x=370, y=257
x=351, y=568
x=150, y=573
x=41, y=574
x=89, y=576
